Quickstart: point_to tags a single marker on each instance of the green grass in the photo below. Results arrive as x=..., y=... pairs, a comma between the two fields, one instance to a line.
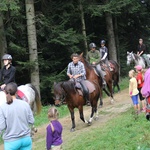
x=126, y=132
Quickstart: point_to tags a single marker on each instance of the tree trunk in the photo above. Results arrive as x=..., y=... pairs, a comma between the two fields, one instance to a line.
x=83, y=26
x=3, y=43
x=32, y=43
x=111, y=37
x=116, y=38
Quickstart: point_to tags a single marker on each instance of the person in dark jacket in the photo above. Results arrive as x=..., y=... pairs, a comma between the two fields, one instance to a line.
x=142, y=52
x=7, y=73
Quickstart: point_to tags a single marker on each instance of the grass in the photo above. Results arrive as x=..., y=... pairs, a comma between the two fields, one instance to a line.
x=126, y=132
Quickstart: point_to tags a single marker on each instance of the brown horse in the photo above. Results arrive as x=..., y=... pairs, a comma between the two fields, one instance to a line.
x=115, y=74
x=92, y=76
x=74, y=99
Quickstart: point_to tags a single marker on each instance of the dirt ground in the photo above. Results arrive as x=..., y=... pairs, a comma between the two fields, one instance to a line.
x=108, y=111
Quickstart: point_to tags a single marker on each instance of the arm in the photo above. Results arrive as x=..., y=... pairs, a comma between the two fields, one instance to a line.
x=130, y=88
x=2, y=121
x=49, y=137
x=106, y=53
x=69, y=71
x=30, y=116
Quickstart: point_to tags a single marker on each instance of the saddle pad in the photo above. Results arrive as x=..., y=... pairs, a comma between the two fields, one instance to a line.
x=89, y=85
x=22, y=95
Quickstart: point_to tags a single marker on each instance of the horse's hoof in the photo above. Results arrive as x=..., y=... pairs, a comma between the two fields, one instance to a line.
x=72, y=129
x=100, y=106
x=89, y=123
x=96, y=118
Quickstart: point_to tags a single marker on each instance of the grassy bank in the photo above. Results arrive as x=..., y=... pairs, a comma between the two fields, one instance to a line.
x=126, y=132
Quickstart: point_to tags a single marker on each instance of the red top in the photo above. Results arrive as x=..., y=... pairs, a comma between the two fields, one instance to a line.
x=140, y=78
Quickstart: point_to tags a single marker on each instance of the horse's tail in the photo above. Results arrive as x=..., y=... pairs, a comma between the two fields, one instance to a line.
x=37, y=98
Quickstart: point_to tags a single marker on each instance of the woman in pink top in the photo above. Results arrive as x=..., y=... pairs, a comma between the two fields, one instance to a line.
x=133, y=91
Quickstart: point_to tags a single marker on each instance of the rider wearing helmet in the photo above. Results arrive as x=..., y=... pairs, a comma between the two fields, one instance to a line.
x=7, y=73
x=104, y=51
x=142, y=52
x=93, y=57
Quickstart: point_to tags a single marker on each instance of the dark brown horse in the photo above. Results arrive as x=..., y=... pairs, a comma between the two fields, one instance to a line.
x=115, y=74
x=74, y=99
x=92, y=76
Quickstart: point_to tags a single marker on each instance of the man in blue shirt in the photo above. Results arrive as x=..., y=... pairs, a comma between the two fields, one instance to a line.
x=77, y=71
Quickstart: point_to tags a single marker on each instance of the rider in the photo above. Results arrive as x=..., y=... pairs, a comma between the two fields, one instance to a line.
x=77, y=71
x=142, y=52
x=7, y=73
x=104, y=53
x=93, y=57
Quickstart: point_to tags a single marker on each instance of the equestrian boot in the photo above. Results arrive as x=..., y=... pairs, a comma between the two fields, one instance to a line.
x=85, y=92
x=101, y=74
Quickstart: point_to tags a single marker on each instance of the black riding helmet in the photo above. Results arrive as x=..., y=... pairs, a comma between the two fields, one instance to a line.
x=7, y=57
x=92, y=45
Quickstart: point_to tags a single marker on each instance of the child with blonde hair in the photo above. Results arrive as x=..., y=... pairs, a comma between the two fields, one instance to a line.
x=54, y=131
x=133, y=91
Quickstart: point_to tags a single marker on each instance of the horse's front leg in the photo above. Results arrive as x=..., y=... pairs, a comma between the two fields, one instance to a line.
x=72, y=119
x=94, y=110
x=101, y=99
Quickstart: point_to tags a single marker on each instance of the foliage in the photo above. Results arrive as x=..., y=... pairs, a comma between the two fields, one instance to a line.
x=59, y=34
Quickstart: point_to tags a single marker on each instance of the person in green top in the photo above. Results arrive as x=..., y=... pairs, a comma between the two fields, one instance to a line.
x=93, y=57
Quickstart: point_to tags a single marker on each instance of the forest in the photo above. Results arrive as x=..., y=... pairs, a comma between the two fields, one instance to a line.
x=41, y=35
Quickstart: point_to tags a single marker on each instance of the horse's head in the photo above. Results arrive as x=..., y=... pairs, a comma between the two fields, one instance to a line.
x=130, y=58
x=59, y=94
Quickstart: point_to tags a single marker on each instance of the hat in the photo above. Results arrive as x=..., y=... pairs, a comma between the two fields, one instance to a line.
x=138, y=67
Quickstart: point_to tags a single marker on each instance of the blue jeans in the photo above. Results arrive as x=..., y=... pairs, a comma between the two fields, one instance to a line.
x=24, y=143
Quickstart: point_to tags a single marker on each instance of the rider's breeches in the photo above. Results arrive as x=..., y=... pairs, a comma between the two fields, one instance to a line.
x=146, y=59
x=99, y=69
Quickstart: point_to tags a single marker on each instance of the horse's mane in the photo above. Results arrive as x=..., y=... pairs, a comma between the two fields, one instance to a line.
x=69, y=87
x=86, y=63
x=136, y=56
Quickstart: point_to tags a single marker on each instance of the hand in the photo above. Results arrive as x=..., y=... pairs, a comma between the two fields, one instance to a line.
x=3, y=86
x=70, y=76
x=76, y=76
x=93, y=63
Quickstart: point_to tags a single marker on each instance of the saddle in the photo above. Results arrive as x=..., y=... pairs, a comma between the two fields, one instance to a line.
x=110, y=65
x=89, y=85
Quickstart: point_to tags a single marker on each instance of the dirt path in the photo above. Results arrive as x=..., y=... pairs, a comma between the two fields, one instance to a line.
x=107, y=112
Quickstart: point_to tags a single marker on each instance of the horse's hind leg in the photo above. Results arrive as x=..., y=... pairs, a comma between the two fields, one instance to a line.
x=81, y=114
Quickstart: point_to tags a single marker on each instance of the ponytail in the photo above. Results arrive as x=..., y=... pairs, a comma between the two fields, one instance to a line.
x=9, y=98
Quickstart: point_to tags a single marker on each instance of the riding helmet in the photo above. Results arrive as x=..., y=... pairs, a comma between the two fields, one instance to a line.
x=92, y=45
x=103, y=42
x=7, y=57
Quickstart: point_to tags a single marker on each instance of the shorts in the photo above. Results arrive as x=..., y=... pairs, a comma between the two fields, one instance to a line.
x=135, y=99
x=24, y=143
x=140, y=95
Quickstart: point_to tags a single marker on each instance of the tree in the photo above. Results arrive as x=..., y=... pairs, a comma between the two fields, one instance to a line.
x=32, y=43
x=3, y=43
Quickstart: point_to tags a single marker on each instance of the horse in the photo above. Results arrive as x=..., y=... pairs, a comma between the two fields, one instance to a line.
x=28, y=93
x=92, y=76
x=138, y=60
x=74, y=99
x=115, y=74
